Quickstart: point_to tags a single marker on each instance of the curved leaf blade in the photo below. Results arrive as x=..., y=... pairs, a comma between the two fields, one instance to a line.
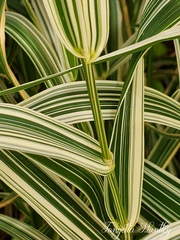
x=89, y=184
x=19, y=229
x=166, y=35
x=161, y=192
x=35, y=45
x=69, y=103
x=171, y=231
x=41, y=135
x=55, y=202
x=4, y=66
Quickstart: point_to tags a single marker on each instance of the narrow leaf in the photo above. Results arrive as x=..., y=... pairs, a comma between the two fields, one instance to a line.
x=83, y=26
x=171, y=231
x=41, y=135
x=35, y=45
x=69, y=103
x=19, y=229
x=4, y=66
x=161, y=193
x=55, y=202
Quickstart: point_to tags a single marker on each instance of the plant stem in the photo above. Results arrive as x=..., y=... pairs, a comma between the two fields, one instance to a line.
x=96, y=110
x=120, y=215
x=127, y=236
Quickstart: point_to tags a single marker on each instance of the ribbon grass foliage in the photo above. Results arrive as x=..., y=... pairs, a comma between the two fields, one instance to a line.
x=83, y=27
x=83, y=157
x=4, y=64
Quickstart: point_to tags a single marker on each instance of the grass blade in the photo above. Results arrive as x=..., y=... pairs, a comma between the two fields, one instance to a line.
x=19, y=229
x=41, y=135
x=4, y=66
x=55, y=202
